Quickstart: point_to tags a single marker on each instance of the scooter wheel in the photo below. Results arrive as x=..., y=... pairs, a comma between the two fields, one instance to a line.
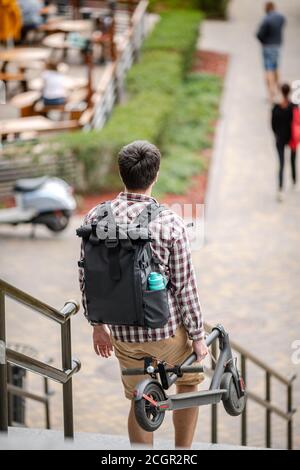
x=58, y=223
x=148, y=417
x=232, y=404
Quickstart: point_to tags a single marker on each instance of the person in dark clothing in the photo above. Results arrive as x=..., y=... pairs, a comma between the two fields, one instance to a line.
x=282, y=118
x=270, y=35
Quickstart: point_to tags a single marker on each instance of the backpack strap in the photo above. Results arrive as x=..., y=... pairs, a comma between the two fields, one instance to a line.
x=148, y=214
x=104, y=211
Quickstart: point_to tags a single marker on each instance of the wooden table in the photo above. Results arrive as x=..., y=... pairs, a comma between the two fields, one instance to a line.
x=32, y=124
x=71, y=83
x=68, y=26
x=24, y=54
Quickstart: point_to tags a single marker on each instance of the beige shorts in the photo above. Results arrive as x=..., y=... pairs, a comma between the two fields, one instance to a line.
x=173, y=350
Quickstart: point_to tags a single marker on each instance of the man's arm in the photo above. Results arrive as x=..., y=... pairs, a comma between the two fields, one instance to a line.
x=183, y=285
x=262, y=32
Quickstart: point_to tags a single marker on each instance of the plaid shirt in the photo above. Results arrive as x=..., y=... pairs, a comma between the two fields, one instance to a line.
x=171, y=246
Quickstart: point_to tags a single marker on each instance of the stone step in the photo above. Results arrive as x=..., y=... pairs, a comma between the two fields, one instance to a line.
x=39, y=439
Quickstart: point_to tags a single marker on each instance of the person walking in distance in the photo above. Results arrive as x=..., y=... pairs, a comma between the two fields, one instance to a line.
x=182, y=331
x=270, y=35
x=285, y=125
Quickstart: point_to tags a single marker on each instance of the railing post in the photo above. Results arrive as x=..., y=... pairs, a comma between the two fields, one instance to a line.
x=214, y=409
x=244, y=437
x=290, y=422
x=10, y=397
x=268, y=412
x=47, y=407
x=3, y=368
x=67, y=387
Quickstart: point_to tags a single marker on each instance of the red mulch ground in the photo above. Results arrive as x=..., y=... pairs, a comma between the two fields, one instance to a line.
x=211, y=62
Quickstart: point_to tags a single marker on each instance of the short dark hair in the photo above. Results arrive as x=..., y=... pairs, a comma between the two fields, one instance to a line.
x=139, y=164
x=270, y=6
x=285, y=90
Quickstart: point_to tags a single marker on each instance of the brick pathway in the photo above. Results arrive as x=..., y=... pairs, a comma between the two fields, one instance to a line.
x=249, y=269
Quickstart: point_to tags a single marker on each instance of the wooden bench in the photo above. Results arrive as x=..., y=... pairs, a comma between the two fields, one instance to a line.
x=25, y=102
x=12, y=77
x=71, y=107
x=36, y=124
x=57, y=41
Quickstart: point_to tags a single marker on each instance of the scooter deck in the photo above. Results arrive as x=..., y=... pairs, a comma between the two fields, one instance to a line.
x=188, y=400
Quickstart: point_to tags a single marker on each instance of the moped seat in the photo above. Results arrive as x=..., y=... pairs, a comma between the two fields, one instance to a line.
x=26, y=185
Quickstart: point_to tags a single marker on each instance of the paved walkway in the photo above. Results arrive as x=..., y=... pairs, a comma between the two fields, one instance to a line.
x=249, y=270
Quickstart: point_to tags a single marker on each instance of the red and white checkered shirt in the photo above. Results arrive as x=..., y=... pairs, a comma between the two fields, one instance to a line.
x=171, y=246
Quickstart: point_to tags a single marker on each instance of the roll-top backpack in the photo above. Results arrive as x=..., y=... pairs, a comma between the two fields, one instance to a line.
x=117, y=263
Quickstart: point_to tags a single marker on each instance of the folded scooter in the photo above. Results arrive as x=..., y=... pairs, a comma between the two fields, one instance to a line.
x=151, y=400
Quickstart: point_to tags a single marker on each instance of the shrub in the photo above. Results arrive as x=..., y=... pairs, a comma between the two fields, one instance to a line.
x=188, y=132
x=212, y=8
x=177, y=31
x=158, y=70
x=161, y=5
x=143, y=117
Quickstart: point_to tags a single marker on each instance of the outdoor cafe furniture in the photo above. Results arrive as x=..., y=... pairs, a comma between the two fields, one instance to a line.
x=23, y=55
x=35, y=124
x=25, y=102
x=71, y=83
x=67, y=26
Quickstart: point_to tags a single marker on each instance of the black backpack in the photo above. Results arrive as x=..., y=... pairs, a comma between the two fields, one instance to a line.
x=117, y=262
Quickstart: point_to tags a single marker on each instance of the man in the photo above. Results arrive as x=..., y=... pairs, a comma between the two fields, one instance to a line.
x=139, y=167
x=270, y=34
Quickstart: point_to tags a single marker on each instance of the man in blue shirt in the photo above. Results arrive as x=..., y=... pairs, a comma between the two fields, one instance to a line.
x=270, y=34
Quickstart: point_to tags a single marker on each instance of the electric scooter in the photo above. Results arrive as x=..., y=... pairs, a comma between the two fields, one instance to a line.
x=151, y=400
x=46, y=201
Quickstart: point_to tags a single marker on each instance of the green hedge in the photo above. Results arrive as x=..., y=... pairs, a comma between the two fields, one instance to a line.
x=188, y=132
x=212, y=8
x=160, y=5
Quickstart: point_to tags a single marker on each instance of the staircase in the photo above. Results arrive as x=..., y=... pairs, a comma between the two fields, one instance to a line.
x=32, y=438
x=37, y=439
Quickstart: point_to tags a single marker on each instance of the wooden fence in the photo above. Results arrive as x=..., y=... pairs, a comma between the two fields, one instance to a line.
x=111, y=86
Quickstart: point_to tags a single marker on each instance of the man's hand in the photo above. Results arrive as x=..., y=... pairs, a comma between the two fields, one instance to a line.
x=102, y=341
x=200, y=349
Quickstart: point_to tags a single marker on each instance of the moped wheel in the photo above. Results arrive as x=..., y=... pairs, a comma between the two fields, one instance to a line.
x=231, y=402
x=147, y=415
x=58, y=223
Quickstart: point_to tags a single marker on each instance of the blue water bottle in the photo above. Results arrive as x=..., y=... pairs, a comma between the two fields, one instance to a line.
x=156, y=281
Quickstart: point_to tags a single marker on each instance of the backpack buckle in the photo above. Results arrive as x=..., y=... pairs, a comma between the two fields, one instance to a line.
x=111, y=242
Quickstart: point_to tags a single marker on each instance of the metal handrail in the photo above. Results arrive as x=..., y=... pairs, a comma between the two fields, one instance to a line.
x=42, y=368
x=265, y=402
x=7, y=355
x=60, y=316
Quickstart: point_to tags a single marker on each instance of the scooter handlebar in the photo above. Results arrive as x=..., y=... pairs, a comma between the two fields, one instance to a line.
x=209, y=340
x=186, y=366
x=185, y=370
